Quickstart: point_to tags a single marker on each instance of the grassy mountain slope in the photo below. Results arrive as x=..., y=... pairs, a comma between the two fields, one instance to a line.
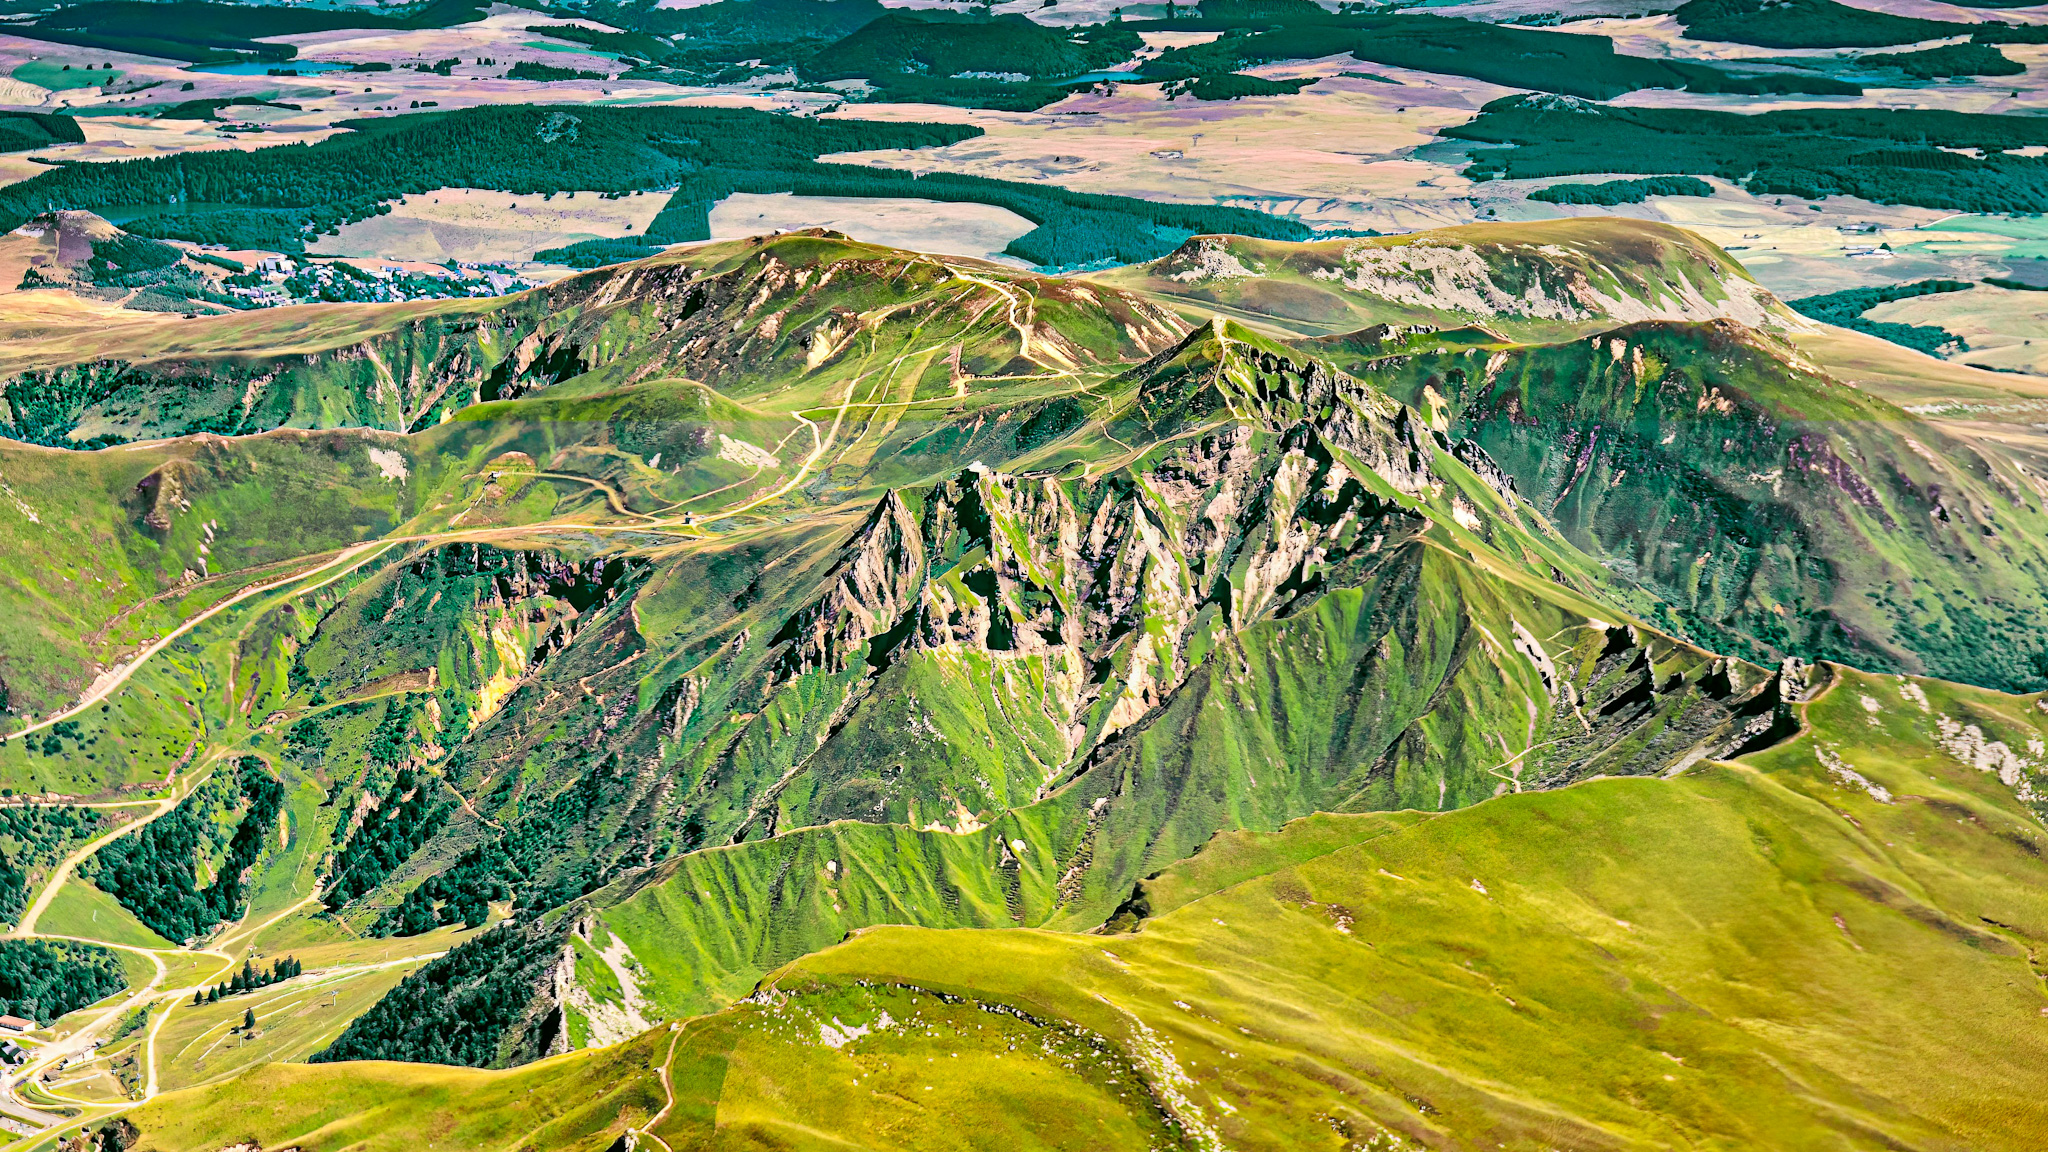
x=1734, y=956
x=771, y=308
x=1723, y=957
x=768, y=594
x=1774, y=508
x=791, y=326
x=1303, y=600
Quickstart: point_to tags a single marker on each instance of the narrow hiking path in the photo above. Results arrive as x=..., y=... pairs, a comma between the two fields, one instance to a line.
x=109, y=682
x=84, y=1039
x=162, y=1003
x=180, y=789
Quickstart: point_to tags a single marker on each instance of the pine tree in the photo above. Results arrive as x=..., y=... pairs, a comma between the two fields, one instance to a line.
x=248, y=1019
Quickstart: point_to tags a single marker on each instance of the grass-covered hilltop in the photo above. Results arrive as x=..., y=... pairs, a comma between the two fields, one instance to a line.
x=1513, y=686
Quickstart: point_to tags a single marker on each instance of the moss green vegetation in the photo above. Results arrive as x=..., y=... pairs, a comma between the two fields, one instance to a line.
x=207, y=1043
x=84, y=911
x=1735, y=956
x=571, y=1103
x=1616, y=961
x=58, y=77
x=1890, y=156
x=1816, y=519
x=1497, y=284
x=1038, y=791
x=960, y=697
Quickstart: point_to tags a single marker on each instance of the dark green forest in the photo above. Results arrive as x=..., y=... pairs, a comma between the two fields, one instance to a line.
x=543, y=73
x=249, y=979
x=278, y=198
x=23, y=131
x=939, y=56
x=1233, y=86
x=454, y=1010
x=627, y=45
x=904, y=43
x=44, y=979
x=1623, y=191
x=405, y=816
x=1948, y=60
x=461, y=895
x=1846, y=309
x=210, y=109
x=207, y=33
x=1560, y=62
x=1074, y=228
x=517, y=864
x=1827, y=24
x=709, y=40
x=1888, y=156
x=154, y=873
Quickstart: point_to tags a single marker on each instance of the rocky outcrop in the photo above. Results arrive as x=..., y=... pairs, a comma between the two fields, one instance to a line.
x=1530, y=276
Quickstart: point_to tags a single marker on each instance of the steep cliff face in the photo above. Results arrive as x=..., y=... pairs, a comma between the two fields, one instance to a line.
x=1774, y=509
x=1010, y=696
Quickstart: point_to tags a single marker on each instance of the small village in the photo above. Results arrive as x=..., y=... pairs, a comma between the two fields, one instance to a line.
x=279, y=280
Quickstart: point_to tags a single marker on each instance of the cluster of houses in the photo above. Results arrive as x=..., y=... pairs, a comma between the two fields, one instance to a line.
x=284, y=280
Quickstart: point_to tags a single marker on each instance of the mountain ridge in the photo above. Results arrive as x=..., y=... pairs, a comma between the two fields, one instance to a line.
x=793, y=609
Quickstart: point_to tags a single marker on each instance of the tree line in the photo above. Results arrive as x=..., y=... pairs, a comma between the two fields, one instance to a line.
x=42, y=980
x=1902, y=156
x=405, y=817
x=199, y=32
x=454, y=1010
x=1560, y=62
x=249, y=979
x=278, y=198
x=1845, y=310
x=1827, y=24
x=154, y=873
